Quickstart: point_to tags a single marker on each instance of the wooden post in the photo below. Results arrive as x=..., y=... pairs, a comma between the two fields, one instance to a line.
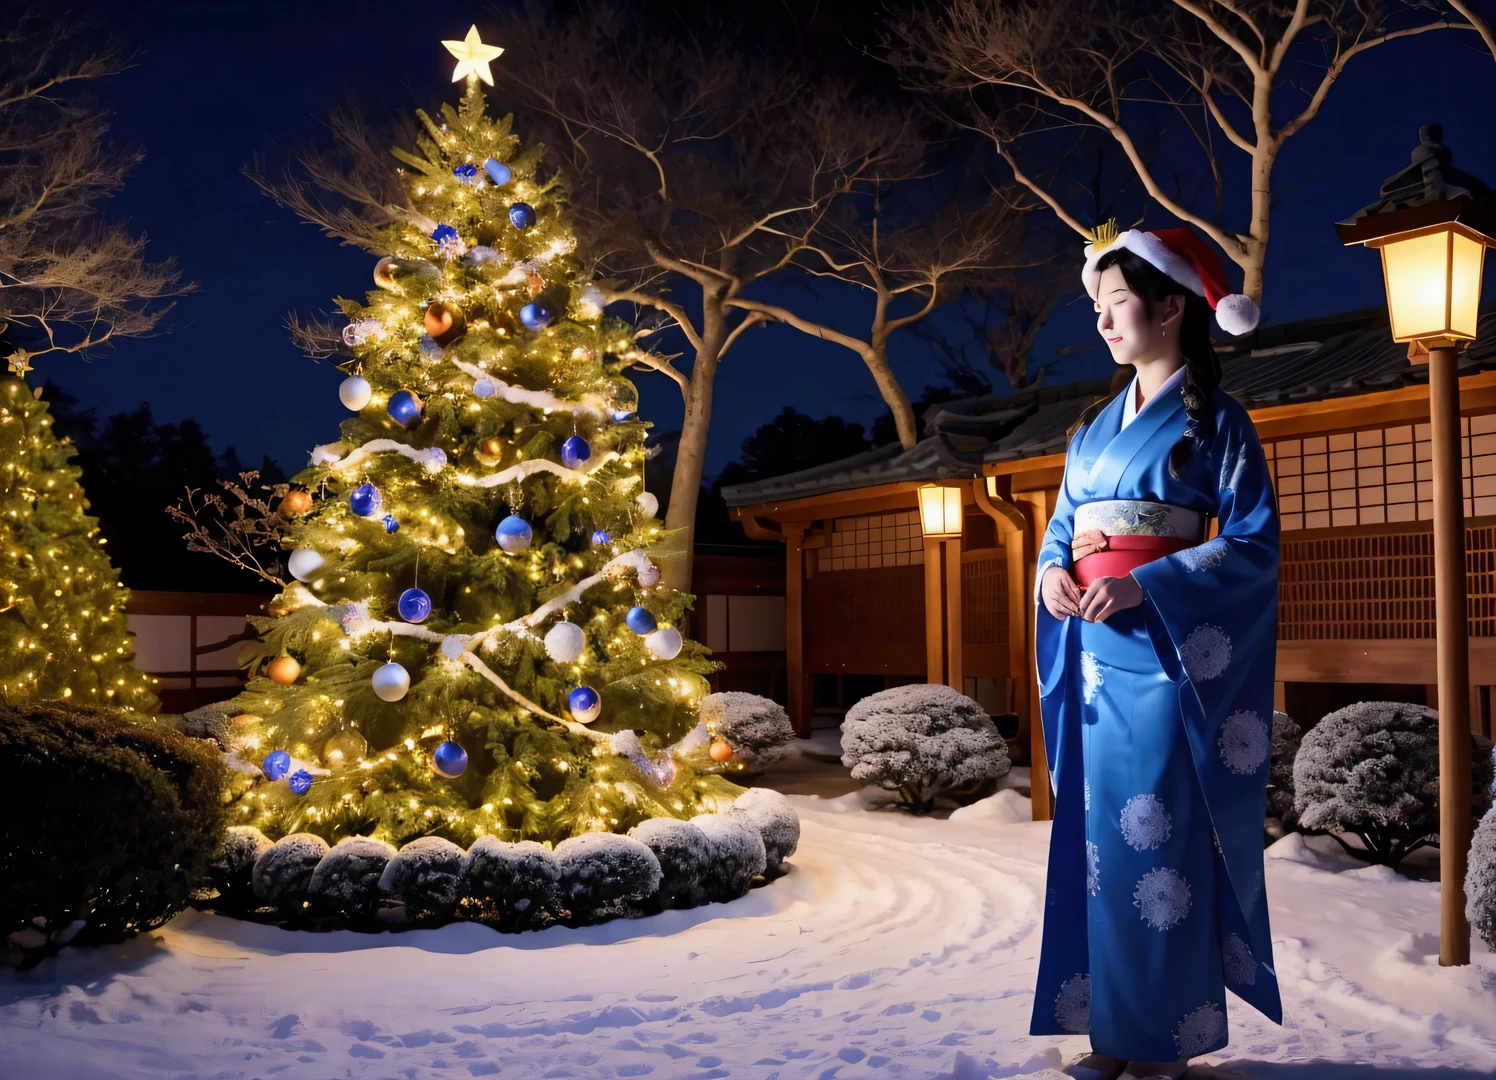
x=953, y=613
x=934, y=653
x=1039, y=794
x=1280, y=697
x=1020, y=620
x=1452, y=652
x=794, y=626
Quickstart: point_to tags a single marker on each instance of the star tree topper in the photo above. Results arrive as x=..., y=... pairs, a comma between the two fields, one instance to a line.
x=473, y=56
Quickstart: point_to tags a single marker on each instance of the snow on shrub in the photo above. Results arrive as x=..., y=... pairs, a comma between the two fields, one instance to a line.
x=1480, y=880
x=233, y=867
x=511, y=886
x=1287, y=735
x=757, y=728
x=684, y=854
x=426, y=875
x=1372, y=769
x=738, y=855
x=922, y=740
x=777, y=822
x=601, y=872
x=284, y=870
x=346, y=881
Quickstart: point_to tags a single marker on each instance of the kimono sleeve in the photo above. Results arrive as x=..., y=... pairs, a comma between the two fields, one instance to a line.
x=1055, y=551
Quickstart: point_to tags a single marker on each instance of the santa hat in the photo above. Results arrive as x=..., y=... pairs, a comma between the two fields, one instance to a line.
x=1183, y=257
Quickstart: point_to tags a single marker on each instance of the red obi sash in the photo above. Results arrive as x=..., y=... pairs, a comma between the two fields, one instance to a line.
x=1124, y=553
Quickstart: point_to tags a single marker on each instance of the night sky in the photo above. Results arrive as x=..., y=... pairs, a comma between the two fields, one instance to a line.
x=217, y=82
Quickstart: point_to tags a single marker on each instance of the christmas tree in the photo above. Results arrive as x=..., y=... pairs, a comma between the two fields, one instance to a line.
x=63, y=632
x=476, y=643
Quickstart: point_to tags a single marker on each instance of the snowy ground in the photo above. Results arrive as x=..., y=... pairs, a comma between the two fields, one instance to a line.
x=894, y=948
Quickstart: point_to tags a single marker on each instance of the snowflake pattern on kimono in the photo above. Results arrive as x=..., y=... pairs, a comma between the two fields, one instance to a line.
x=1093, y=868
x=1200, y=1030
x=1163, y=897
x=1146, y=822
x=1206, y=652
x=1237, y=958
x=1091, y=677
x=1206, y=556
x=1072, y=1006
x=1246, y=741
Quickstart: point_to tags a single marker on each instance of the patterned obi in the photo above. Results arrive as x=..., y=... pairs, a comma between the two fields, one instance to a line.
x=1137, y=532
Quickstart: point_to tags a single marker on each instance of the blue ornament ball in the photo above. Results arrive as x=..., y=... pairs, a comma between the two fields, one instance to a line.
x=414, y=605
x=574, y=452
x=514, y=534
x=466, y=174
x=276, y=764
x=449, y=759
x=640, y=621
x=404, y=407
x=391, y=523
x=536, y=317
x=365, y=500
x=300, y=781
x=497, y=171
x=484, y=388
x=600, y=536
x=522, y=215
x=584, y=704
x=623, y=415
x=443, y=233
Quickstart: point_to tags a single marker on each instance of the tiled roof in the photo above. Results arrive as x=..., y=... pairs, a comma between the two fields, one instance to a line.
x=1339, y=356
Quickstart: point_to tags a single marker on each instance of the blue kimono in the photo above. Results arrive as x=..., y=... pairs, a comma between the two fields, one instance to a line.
x=1157, y=730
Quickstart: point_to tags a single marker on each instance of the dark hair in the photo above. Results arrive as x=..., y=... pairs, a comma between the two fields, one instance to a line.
x=1202, y=372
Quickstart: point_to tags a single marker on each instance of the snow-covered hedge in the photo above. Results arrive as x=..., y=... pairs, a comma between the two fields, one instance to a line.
x=1480, y=880
x=922, y=740
x=1372, y=769
x=1287, y=735
x=662, y=862
x=757, y=728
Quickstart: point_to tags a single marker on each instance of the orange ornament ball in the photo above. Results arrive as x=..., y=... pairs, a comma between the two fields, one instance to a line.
x=490, y=450
x=277, y=610
x=283, y=670
x=443, y=322
x=295, y=503
x=720, y=751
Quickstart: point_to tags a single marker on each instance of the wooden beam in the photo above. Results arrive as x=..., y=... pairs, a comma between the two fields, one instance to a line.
x=794, y=628
x=934, y=650
x=953, y=673
x=1395, y=660
x=1020, y=623
x=1042, y=504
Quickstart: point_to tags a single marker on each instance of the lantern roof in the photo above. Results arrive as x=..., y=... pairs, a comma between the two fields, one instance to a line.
x=1429, y=192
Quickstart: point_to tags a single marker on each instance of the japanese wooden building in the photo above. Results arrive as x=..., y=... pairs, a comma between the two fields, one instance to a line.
x=1343, y=416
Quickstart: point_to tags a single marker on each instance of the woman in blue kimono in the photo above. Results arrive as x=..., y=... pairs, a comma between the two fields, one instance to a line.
x=1155, y=656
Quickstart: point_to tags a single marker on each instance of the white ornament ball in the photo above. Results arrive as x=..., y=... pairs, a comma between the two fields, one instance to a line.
x=453, y=646
x=648, y=503
x=649, y=576
x=565, y=642
x=664, y=643
x=303, y=563
x=391, y=682
x=355, y=392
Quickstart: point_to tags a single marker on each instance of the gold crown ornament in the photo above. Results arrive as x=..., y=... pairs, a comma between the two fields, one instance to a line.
x=1103, y=236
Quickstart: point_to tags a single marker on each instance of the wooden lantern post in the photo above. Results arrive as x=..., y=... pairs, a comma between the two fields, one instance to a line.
x=1432, y=226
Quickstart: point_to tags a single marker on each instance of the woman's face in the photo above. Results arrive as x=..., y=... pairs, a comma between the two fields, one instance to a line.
x=1124, y=323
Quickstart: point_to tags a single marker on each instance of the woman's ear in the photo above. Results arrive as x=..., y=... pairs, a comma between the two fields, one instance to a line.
x=1172, y=316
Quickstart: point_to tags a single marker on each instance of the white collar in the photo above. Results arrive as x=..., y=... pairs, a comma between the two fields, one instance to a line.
x=1129, y=407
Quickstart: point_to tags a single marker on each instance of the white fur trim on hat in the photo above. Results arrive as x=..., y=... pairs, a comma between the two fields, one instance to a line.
x=1150, y=249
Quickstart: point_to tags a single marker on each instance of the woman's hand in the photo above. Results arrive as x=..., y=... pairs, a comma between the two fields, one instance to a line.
x=1108, y=595
x=1059, y=592
x=1086, y=543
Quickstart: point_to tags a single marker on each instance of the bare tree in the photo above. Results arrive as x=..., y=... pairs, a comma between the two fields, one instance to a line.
x=69, y=282
x=1225, y=69
x=927, y=261
x=241, y=533
x=1480, y=23
x=696, y=170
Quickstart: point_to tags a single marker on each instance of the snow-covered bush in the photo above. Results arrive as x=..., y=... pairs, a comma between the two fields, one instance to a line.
x=602, y=872
x=777, y=822
x=346, y=881
x=684, y=854
x=1372, y=769
x=757, y=728
x=426, y=875
x=1287, y=735
x=283, y=872
x=1480, y=880
x=233, y=867
x=511, y=886
x=922, y=740
x=737, y=855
